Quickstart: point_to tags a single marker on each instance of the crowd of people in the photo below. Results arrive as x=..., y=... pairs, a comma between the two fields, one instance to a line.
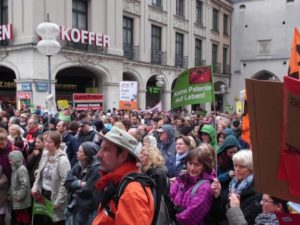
x=200, y=163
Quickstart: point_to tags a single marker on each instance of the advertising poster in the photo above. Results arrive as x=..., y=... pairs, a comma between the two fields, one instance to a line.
x=193, y=86
x=128, y=95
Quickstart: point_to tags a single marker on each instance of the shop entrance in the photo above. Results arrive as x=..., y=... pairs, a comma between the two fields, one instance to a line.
x=153, y=93
x=7, y=87
x=76, y=80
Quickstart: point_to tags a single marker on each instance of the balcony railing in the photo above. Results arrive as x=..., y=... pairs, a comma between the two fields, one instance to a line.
x=217, y=68
x=181, y=61
x=158, y=57
x=131, y=52
x=226, y=69
x=199, y=62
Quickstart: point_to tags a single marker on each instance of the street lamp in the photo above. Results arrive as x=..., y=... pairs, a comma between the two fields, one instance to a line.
x=160, y=83
x=48, y=46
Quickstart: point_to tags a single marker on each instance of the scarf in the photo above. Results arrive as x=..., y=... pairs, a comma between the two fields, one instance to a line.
x=179, y=157
x=239, y=186
x=266, y=219
x=117, y=175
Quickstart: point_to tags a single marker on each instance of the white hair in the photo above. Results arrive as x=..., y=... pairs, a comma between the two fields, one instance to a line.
x=152, y=140
x=244, y=157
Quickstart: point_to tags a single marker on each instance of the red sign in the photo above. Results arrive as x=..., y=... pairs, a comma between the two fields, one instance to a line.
x=84, y=37
x=23, y=95
x=6, y=32
x=79, y=97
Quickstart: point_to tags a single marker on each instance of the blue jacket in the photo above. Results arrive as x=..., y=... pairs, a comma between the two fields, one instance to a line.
x=72, y=147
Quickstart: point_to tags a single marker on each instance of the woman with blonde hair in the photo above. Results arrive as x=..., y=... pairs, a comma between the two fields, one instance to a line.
x=153, y=165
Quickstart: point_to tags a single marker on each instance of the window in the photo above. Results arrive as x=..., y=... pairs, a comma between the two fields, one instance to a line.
x=128, y=37
x=225, y=24
x=199, y=11
x=225, y=64
x=179, y=50
x=198, y=52
x=214, y=60
x=79, y=14
x=156, y=54
x=180, y=7
x=215, y=20
x=157, y=3
x=4, y=12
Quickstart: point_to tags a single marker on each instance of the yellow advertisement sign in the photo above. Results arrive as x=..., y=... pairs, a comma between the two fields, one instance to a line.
x=63, y=104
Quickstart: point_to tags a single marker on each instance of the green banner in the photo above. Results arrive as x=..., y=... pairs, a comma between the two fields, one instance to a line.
x=193, y=86
x=45, y=208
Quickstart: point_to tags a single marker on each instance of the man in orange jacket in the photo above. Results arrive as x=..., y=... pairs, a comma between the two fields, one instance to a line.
x=118, y=157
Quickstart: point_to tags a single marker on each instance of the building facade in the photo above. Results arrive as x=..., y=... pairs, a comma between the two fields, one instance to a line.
x=262, y=32
x=105, y=42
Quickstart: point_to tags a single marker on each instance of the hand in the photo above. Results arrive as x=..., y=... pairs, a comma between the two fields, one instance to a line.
x=172, y=180
x=82, y=183
x=231, y=173
x=234, y=200
x=216, y=188
x=38, y=197
x=56, y=206
x=36, y=152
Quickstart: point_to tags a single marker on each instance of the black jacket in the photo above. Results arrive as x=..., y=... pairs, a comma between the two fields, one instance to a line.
x=250, y=206
x=85, y=198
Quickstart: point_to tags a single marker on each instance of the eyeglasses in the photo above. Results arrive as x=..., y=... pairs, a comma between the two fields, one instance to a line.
x=263, y=200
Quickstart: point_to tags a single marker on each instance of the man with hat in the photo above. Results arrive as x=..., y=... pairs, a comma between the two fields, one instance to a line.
x=118, y=158
x=86, y=132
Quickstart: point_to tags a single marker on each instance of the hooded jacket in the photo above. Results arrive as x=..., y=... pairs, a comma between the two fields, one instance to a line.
x=211, y=131
x=20, y=183
x=168, y=148
x=85, y=198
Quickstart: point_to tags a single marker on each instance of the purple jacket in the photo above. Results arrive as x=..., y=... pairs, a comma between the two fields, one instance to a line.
x=196, y=208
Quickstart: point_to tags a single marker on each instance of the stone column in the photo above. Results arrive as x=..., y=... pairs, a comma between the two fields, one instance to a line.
x=142, y=99
x=111, y=92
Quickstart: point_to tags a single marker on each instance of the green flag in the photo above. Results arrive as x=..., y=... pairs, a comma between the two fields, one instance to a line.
x=193, y=86
x=45, y=208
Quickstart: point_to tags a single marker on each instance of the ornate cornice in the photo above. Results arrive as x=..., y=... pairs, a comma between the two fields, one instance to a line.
x=3, y=54
x=132, y=6
x=83, y=58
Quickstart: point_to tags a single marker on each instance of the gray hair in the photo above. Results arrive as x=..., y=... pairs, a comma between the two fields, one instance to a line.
x=244, y=157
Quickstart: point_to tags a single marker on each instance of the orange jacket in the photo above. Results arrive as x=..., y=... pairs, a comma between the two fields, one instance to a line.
x=135, y=208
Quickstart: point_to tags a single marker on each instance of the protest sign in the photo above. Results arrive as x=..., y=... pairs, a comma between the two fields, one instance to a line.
x=265, y=108
x=193, y=86
x=128, y=95
x=45, y=208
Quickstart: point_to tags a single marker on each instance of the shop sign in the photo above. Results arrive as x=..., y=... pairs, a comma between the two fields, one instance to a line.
x=88, y=106
x=85, y=37
x=83, y=97
x=41, y=86
x=26, y=86
x=7, y=84
x=153, y=90
x=66, y=86
x=6, y=32
x=84, y=101
x=23, y=95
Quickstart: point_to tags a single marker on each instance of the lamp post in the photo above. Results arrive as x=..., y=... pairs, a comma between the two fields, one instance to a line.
x=160, y=83
x=48, y=46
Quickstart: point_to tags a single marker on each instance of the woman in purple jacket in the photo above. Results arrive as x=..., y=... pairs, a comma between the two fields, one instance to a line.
x=191, y=192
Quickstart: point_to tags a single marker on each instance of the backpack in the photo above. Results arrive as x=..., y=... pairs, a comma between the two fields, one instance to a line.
x=165, y=210
x=163, y=205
